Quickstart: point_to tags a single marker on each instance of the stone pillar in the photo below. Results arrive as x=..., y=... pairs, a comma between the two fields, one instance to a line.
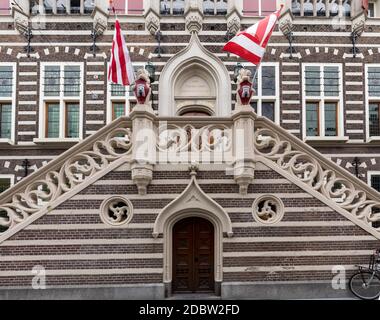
x=243, y=117
x=143, y=134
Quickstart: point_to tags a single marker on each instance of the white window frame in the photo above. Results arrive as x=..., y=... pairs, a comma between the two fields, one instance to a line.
x=215, y=8
x=62, y=100
x=374, y=9
x=259, y=98
x=11, y=177
x=369, y=176
x=127, y=98
x=12, y=101
x=367, y=101
x=322, y=99
x=171, y=7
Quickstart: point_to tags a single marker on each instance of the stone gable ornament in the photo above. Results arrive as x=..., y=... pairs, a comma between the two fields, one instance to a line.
x=142, y=87
x=244, y=89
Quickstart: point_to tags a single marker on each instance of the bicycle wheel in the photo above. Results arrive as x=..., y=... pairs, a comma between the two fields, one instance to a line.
x=362, y=288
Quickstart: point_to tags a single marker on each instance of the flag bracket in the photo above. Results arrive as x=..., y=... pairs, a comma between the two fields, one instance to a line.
x=94, y=37
x=28, y=34
x=355, y=50
x=158, y=50
x=290, y=49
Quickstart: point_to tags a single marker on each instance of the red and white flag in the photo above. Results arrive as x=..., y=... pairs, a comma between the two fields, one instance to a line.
x=120, y=70
x=251, y=43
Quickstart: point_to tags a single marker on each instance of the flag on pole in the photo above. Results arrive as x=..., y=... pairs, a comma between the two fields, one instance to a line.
x=120, y=70
x=251, y=43
x=365, y=5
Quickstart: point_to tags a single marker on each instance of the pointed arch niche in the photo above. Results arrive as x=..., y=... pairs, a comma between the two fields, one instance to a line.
x=193, y=202
x=195, y=80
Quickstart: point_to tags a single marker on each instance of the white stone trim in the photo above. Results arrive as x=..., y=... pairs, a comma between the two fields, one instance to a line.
x=194, y=54
x=61, y=99
x=12, y=99
x=322, y=99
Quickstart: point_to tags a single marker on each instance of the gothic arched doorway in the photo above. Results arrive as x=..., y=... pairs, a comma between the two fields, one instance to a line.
x=193, y=256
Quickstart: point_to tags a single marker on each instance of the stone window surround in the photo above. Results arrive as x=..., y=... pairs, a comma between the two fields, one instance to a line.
x=259, y=98
x=126, y=99
x=368, y=100
x=322, y=98
x=12, y=101
x=62, y=100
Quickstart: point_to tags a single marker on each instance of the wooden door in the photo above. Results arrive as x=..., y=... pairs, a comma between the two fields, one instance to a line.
x=193, y=256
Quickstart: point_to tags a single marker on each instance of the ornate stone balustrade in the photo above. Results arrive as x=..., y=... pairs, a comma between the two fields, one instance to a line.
x=310, y=168
x=52, y=183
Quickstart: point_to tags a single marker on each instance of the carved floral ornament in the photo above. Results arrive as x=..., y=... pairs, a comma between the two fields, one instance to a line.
x=268, y=209
x=306, y=168
x=116, y=211
x=63, y=178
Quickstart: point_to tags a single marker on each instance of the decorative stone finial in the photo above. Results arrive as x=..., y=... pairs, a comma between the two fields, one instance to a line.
x=152, y=22
x=193, y=168
x=244, y=90
x=233, y=22
x=142, y=87
x=193, y=18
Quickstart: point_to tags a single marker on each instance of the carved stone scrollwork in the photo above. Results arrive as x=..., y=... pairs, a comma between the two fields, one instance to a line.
x=306, y=168
x=65, y=177
x=193, y=19
x=100, y=20
x=116, y=211
x=233, y=22
x=268, y=209
x=152, y=22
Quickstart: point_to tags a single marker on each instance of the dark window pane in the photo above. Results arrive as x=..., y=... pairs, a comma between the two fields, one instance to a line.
x=51, y=81
x=5, y=183
x=375, y=182
x=52, y=120
x=296, y=7
x=72, y=81
x=267, y=110
x=61, y=6
x=117, y=90
x=321, y=8
x=221, y=7
x=6, y=81
x=165, y=7
x=178, y=7
x=208, y=7
x=75, y=6
x=89, y=6
x=118, y=110
x=330, y=119
x=254, y=106
x=313, y=80
x=5, y=121
x=374, y=128
x=374, y=81
x=269, y=81
x=312, y=119
x=331, y=79
x=72, y=118
x=308, y=9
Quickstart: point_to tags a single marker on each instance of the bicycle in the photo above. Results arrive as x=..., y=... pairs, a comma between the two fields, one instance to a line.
x=365, y=284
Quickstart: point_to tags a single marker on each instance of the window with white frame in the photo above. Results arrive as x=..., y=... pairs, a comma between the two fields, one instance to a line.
x=119, y=98
x=7, y=100
x=265, y=100
x=323, y=100
x=373, y=101
x=61, y=102
x=215, y=7
x=62, y=6
x=174, y=7
x=374, y=182
x=6, y=181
